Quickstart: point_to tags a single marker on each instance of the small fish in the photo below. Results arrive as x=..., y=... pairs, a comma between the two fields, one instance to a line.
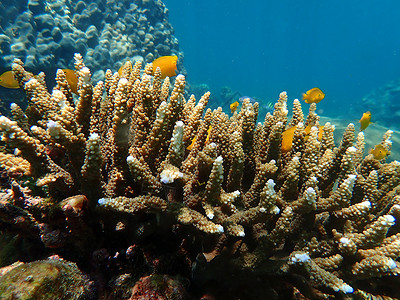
x=234, y=106
x=379, y=152
x=365, y=120
x=7, y=80
x=287, y=139
x=72, y=80
x=252, y=100
x=314, y=95
x=208, y=135
x=269, y=106
x=190, y=147
x=288, y=134
x=167, y=65
x=121, y=69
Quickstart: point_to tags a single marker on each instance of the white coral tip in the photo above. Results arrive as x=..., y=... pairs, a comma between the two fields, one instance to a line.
x=352, y=149
x=300, y=258
x=367, y=204
x=51, y=124
x=344, y=240
x=390, y=219
x=93, y=136
x=102, y=201
x=391, y=264
x=347, y=289
x=123, y=81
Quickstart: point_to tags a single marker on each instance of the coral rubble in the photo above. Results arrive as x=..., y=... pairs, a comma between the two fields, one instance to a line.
x=130, y=178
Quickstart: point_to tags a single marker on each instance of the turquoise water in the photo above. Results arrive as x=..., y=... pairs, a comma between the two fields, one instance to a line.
x=261, y=48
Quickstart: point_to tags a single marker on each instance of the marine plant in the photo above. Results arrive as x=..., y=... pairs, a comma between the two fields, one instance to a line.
x=106, y=179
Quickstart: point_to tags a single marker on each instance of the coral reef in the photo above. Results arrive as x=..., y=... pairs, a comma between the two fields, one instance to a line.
x=45, y=34
x=106, y=180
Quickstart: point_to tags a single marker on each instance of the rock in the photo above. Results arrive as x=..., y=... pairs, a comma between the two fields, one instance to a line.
x=5, y=43
x=92, y=36
x=56, y=34
x=67, y=43
x=19, y=49
x=158, y=287
x=30, y=62
x=46, y=279
x=80, y=6
x=94, y=13
x=36, y=6
x=149, y=57
x=81, y=21
x=45, y=21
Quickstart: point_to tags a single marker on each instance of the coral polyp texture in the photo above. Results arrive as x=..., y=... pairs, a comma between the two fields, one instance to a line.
x=106, y=179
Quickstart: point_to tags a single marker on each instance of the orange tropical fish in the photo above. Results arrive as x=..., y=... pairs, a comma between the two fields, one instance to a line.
x=288, y=134
x=365, y=120
x=314, y=95
x=167, y=65
x=72, y=80
x=7, y=80
x=195, y=138
x=234, y=106
x=190, y=147
x=287, y=139
x=379, y=152
x=208, y=135
x=120, y=70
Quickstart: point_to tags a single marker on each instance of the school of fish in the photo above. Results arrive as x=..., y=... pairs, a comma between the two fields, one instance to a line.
x=168, y=67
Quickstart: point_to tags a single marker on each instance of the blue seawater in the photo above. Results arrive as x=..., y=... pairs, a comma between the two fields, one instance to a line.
x=260, y=48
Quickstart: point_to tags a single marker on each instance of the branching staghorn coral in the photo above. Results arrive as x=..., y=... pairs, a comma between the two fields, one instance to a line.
x=126, y=148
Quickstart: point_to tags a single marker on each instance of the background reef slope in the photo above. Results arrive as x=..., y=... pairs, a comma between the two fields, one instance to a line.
x=46, y=34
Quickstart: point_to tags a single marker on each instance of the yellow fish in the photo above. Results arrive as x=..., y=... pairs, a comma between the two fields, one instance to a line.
x=365, y=120
x=120, y=70
x=287, y=136
x=287, y=139
x=208, y=135
x=234, y=106
x=190, y=147
x=167, y=65
x=7, y=80
x=314, y=95
x=72, y=80
x=379, y=152
x=195, y=138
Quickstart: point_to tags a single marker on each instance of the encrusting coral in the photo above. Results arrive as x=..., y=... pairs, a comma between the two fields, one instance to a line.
x=127, y=157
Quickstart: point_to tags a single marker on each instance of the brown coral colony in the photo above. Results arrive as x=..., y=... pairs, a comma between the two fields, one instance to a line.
x=120, y=151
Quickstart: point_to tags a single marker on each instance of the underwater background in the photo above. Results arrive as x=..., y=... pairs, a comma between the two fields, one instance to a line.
x=260, y=48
